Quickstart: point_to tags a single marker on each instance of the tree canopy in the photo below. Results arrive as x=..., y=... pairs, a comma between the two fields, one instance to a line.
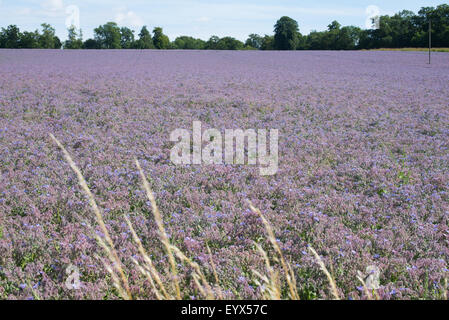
x=160, y=40
x=145, y=40
x=75, y=39
x=126, y=38
x=186, y=42
x=403, y=29
x=286, y=32
x=108, y=36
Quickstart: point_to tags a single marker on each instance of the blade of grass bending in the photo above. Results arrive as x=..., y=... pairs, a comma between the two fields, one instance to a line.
x=287, y=270
x=326, y=272
x=204, y=288
x=272, y=282
x=151, y=273
x=214, y=270
x=112, y=253
x=162, y=232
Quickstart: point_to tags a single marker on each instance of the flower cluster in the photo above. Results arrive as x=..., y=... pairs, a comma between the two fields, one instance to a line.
x=363, y=168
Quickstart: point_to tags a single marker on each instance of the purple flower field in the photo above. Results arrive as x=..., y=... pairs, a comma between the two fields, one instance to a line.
x=363, y=168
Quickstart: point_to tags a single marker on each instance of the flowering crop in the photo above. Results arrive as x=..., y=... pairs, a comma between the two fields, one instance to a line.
x=363, y=170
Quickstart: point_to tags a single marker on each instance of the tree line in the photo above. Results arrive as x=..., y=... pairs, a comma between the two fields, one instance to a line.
x=404, y=29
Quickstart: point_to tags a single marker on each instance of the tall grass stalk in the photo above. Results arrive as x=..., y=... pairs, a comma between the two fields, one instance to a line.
x=369, y=295
x=109, y=245
x=333, y=285
x=162, y=233
x=288, y=272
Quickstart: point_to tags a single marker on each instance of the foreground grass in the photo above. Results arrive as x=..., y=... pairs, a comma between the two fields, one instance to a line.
x=273, y=283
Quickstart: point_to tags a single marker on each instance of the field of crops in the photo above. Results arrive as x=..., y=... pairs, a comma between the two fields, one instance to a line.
x=363, y=169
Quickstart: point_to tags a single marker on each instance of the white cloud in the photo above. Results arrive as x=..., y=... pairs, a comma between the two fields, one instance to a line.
x=51, y=8
x=53, y=5
x=129, y=18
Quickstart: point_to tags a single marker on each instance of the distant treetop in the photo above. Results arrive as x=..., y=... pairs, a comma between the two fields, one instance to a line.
x=404, y=29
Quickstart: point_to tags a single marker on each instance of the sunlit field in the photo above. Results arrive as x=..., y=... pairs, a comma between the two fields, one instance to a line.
x=363, y=175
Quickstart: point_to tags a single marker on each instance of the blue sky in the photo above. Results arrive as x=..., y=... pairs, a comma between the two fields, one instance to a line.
x=198, y=18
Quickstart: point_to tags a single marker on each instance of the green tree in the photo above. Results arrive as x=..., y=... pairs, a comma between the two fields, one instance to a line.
x=186, y=42
x=340, y=38
x=334, y=25
x=421, y=23
x=267, y=43
x=212, y=43
x=10, y=37
x=229, y=43
x=48, y=38
x=440, y=25
x=126, y=38
x=332, y=35
x=365, y=40
x=301, y=42
x=254, y=40
x=286, y=32
x=108, y=36
x=57, y=43
x=91, y=44
x=75, y=39
x=402, y=29
x=145, y=40
x=160, y=40
x=29, y=40
x=316, y=41
x=351, y=37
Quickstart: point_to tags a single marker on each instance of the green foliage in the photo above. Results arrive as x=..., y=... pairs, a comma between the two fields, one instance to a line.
x=91, y=44
x=286, y=32
x=75, y=39
x=301, y=42
x=126, y=38
x=440, y=25
x=10, y=37
x=57, y=43
x=229, y=43
x=108, y=36
x=226, y=43
x=160, y=40
x=254, y=41
x=335, y=38
x=145, y=40
x=212, y=43
x=186, y=42
x=48, y=38
x=29, y=40
x=267, y=43
x=404, y=29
